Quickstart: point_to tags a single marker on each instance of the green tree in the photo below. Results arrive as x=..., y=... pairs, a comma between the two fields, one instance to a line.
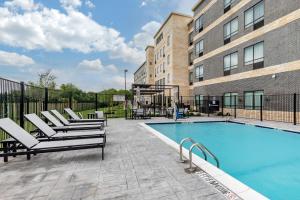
x=46, y=79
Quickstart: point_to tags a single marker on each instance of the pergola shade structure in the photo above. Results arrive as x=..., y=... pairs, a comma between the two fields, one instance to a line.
x=155, y=98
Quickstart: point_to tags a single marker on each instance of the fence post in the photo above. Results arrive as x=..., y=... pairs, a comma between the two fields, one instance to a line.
x=181, y=101
x=154, y=105
x=96, y=101
x=22, y=97
x=46, y=99
x=235, y=106
x=70, y=101
x=295, y=109
x=261, y=107
x=208, y=107
x=222, y=109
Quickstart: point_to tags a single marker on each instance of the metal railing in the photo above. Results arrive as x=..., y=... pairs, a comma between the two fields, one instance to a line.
x=204, y=150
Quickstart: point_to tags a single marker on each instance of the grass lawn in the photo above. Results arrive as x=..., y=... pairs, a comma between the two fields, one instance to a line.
x=112, y=112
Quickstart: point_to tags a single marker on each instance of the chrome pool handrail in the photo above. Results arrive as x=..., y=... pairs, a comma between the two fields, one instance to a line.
x=181, y=145
x=211, y=154
x=204, y=150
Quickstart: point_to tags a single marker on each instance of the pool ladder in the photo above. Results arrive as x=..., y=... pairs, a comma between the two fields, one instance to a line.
x=200, y=147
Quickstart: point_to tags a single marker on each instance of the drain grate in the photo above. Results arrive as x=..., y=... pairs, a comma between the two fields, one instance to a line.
x=217, y=185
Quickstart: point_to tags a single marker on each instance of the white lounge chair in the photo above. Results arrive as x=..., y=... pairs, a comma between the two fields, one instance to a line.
x=47, y=132
x=76, y=118
x=30, y=145
x=61, y=118
x=60, y=127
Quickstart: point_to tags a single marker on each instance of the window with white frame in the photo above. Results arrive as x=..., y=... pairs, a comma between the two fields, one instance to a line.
x=199, y=24
x=199, y=72
x=230, y=61
x=254, y=54
x=231, y=28
x=254, y=14
x=199, y=48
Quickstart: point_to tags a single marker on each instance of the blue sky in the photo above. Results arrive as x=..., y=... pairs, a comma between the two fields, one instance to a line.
x=86, y=42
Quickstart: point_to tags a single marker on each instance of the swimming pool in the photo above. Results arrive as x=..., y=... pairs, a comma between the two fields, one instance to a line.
x=267, y=160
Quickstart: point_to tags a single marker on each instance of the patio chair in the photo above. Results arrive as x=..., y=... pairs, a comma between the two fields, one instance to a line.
x=30, y=145
x=60, y=127
x=76, y=118
x=180, y=113
x=46, y=132
x=139, y=113
x=61, y=118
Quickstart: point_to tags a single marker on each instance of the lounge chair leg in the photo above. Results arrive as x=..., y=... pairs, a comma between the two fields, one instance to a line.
x=28, y=155
x=102, y=153
x=14, y=148
x=5, y=158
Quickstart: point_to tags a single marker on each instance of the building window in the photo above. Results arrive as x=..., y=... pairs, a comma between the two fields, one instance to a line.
x=168, y=40
x=168, y=59
x=230, y=100
x=254, y=55
x=199, y=102
x=199, y=73
x=191, y=58
x=168, y=78
x=199, y=48
x=164, y=70
x=164, y=51
x=230, y=62
x=227, y=5
x=199, y=24
x=191, y=78
x=160, y=37
x=191, y=38
x=230, y=29
x=253, y=99
x=254, y=16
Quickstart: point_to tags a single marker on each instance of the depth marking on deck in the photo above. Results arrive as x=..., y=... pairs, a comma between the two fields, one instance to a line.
x=217, y=185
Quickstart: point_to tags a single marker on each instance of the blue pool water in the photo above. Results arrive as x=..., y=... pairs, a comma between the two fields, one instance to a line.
x=267, y=160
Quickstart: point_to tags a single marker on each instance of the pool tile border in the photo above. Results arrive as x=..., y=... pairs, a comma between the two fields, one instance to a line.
x=240, y=189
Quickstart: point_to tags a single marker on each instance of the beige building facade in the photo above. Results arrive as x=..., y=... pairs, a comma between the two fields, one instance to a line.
x=145, y=73
x=170, y=53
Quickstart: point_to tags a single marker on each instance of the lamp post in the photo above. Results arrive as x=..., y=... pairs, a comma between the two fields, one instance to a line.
x=125, y=71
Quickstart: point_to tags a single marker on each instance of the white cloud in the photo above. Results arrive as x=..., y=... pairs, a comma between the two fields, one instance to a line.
x=70, y=4
x=145, y=37
x=89, y=4
x=96, y=65
x=21, y=4
x=91, y=64
x=11, y=59
x=53, y=30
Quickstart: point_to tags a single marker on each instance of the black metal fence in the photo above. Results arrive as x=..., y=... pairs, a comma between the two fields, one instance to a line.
x=282, y=108
x=18, y=99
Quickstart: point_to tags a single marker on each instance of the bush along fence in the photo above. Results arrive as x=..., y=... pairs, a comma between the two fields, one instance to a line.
x=282, y=108
x=19, y=98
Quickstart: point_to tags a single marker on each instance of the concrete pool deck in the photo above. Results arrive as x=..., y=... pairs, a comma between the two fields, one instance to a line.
x=137, y=165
